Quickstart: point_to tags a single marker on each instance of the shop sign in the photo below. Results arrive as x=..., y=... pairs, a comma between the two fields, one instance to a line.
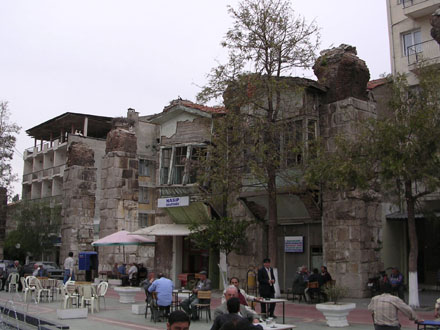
x=173, y=201
x=294, y=244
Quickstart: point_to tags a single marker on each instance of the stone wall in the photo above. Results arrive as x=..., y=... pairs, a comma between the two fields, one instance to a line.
x=351, y=223
x=79, y=187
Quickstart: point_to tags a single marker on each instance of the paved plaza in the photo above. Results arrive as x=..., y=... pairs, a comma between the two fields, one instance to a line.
x=120, y=316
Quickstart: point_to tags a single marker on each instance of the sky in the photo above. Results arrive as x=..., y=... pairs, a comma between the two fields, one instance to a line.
x=102, y=57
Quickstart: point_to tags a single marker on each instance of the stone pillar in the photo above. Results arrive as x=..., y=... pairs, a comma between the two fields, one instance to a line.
x=79, y=188
x=119, y=202
x=351, y=223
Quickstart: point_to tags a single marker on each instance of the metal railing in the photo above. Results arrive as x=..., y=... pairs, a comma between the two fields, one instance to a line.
x=425, y=51
x=409, y=3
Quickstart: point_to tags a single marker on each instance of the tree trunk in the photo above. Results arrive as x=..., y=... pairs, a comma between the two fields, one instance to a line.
x=413, y=247
x=273, y=215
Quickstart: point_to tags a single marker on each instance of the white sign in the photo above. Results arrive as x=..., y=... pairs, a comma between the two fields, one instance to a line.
x=293, y=244
x=173, y=201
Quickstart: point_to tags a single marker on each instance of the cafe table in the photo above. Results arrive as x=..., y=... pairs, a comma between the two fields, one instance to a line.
x=273, y=301
x=179, y=294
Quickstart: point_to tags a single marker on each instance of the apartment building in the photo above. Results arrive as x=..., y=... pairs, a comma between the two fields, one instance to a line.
x=411, y=43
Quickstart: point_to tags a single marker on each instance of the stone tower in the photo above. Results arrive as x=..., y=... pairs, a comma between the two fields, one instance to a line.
x=79, y=188
x=351, y=223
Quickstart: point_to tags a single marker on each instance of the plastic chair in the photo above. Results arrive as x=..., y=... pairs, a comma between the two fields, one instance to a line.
x=100, y=293
x=88, y=298
x=67, y=298
x=205, y=306
x=41, y=291
x=29, y=286
x=13, y=280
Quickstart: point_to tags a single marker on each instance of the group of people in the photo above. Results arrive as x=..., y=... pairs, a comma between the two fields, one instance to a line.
x=303, y=277
x=131, y=274
x=5, y=272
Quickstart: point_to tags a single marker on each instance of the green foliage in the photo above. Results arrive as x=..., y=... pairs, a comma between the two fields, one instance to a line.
x=387, y=152
x=8, y=139
x=223, y=234
x=335, y=292
x=38, y=224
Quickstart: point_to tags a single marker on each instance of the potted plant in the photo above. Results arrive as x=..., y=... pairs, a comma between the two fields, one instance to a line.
x=335, y=312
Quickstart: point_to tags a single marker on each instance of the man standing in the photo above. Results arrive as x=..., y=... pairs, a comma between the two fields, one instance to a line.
x=189, y=305
x=396, y=281
x=266, y=281
x=69, y=264
x=164, y=291
x=247, y=313
x=385, y=311
x=178, y=320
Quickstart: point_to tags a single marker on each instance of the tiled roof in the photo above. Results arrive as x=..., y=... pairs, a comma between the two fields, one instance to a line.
x=196, y=106
x=372, y=84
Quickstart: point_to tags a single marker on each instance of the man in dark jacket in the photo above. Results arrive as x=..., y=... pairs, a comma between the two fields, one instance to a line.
x=266, y=281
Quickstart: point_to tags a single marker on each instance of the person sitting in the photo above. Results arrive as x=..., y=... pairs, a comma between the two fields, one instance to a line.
x=242, y=295
x=232, y=292
x=142, y=272
x=312, y=292
x=300, y=282
x=324, y=277
x=396, y=281
x=3, y=277
x=123, y=274
x=36, y=269
x=242, y=324
x=178, y=320
x=42, y=272
x=146, y=284
x=189, y=305
x=115, y=271
x=164, y=292
x=233, y=307
x=132, y=274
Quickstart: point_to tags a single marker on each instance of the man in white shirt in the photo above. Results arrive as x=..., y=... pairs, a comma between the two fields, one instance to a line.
x=132, y=273
x=69, y=264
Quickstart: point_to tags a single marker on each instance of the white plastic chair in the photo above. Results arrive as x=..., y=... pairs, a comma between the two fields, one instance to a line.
x=68, y=298
x=88, y=298
x=41, y=291
x=29, y=286
x=14, y=279
x=100, y=293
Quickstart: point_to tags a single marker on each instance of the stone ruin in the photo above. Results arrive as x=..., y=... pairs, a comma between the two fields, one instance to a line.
x=80, y=154
x=435, y=22
x=121, y=139
x=343, y=73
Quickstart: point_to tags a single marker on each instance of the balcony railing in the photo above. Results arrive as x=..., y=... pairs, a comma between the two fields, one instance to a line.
x=427, y=51
x=410, y=3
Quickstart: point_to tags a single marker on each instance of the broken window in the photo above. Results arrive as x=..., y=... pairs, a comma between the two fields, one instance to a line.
x=179, y=165
x=165, y=165
x=292, y=142
x=144, y=167
x=144, y=195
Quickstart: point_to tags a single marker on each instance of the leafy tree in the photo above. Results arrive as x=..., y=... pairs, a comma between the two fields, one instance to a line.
x=398, y=154
x=38, y=224
x=265, y=42
x=7, y=144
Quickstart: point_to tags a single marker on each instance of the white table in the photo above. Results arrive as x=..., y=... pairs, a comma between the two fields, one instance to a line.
x=278, y=326
x=273, y=301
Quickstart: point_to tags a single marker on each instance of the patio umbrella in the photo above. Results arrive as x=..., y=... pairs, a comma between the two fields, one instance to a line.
x=121, y=238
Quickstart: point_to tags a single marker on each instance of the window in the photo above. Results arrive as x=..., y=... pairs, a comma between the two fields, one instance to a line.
x=165, y=165
x=292, y=142
x=411, y=43
x=179, y=164
x=144, y=195
x=145, y=220
x=144, y=167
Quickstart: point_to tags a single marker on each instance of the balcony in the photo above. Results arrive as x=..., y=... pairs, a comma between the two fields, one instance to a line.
x=427, y=52
x=419, y=8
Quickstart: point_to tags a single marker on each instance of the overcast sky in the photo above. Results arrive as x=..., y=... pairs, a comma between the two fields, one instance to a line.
x=104, y=56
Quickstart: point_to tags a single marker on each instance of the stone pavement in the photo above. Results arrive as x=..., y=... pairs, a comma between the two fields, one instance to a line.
x=119, y=316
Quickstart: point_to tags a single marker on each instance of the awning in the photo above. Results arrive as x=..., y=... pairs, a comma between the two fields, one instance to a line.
x=404, y=215
x=169, y=229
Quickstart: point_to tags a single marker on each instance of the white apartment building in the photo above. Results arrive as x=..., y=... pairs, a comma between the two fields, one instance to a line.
x=410, y=35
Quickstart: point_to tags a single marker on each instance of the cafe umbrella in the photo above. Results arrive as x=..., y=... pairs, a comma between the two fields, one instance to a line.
x=121, y=238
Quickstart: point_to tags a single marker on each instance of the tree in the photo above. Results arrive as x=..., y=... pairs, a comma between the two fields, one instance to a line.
x=38, y=224
x=265, y=42
x=398, y=155
x=7, y=144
